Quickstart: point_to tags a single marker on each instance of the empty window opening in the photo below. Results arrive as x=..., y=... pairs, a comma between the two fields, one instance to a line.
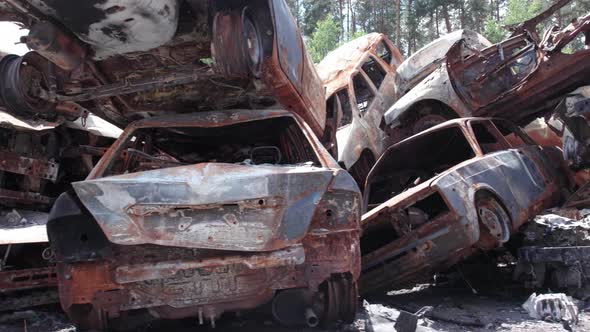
x=384, y=52
x=375, y=72
x=277, y=141
x=432, y=206
x=415, y=161
x=346, y=109
x=363, y=93
x=486, y=139
x=512, y=134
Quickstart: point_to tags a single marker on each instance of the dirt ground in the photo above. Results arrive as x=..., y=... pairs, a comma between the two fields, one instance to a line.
x=455, y=309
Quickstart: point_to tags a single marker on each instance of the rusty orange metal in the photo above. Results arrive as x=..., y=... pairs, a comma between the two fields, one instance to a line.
x=427, y=213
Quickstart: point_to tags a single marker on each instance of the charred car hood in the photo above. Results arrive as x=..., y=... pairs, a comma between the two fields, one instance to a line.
x=209, y=205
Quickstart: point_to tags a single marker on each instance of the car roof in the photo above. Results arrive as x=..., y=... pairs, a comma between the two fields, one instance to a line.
x=336, y=68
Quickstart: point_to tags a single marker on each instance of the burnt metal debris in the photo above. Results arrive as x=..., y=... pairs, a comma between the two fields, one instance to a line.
x=248, y=175
x=136, y=59
x=37, y=164
x=462, y=75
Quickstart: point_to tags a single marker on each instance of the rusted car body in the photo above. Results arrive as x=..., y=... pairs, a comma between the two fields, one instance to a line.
x=212, y=212
x=570, y=122
x=425, y=96
x=430, y=211
x=38, y=163
x=427, y=59
x=131, y=59
x=361, y=76
x=519, y=73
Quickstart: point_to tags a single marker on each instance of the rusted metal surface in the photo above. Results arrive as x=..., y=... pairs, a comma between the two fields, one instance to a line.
x=37, y=164
x=213, y=234
x=167, y=269
x=470, y=79
x=373, y=59
x=28, y=279
x=428, y=213
x=55, y=45
x=14, y=163
x=424, y=61
x=339, y=65
x=425, y=89
x=533, y=80
x=130, y=60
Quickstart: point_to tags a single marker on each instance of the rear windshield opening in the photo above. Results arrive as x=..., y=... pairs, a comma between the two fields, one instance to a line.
x=415, y=161
x=277, y=141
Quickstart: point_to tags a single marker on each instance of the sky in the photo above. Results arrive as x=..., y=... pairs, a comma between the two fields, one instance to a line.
x=11, y=34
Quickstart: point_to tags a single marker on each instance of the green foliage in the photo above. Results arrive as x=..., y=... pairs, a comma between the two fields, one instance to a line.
x=313, y=12
x=521, y=10
x=351, y=36
x=494, y=31
x=419, y=21
x=324, y=38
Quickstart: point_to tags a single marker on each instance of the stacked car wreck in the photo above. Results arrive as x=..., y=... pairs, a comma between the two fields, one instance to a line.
x=236, y=180
x=234, y=204
x=429, y=208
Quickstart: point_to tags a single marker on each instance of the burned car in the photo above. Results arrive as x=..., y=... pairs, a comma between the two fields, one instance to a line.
x=197, y=215
x=570, y=123
x=38, y=163
x=433, y=209
x=127, y=60
x=359, y=78
x=425, y=97
x=520, y=73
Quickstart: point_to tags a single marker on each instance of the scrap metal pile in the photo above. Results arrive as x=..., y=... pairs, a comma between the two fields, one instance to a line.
x=246, y=175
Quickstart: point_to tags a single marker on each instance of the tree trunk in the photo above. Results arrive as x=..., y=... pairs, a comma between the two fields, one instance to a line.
x=462, y=14
x=436, y=22
x=353, y=16
x=381, y=19
x=348, y=19
x=398, y=23
x=445, y=13
x=341, y=13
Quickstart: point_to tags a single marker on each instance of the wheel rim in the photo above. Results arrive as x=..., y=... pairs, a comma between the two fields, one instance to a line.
x=493, y=216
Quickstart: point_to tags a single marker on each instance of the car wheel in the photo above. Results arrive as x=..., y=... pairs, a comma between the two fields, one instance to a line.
x=493, y=219
x=427, y=121
x=340, y=300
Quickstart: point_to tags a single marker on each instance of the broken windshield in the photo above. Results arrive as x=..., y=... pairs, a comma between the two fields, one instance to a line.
x=486, y=76
x=277, y=141
x=414, y=161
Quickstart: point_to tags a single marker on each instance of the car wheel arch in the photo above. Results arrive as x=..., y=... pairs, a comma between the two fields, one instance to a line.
x=428, y=108
x=484, y=192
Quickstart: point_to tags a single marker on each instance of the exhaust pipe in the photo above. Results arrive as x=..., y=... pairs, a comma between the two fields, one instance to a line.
x=310, y=318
